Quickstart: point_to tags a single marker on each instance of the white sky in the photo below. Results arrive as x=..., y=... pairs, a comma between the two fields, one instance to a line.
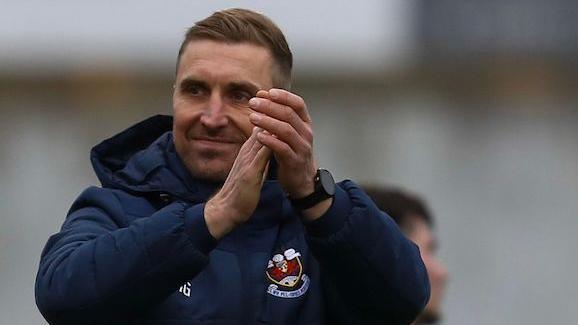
x=50, y=35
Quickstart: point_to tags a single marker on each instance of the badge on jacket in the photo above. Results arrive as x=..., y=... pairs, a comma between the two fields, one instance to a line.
x=285, y=274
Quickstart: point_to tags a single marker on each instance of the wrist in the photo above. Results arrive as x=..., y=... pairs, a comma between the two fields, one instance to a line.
x=317, y=211
x=217, y=222
x=306, y=188
x=302, y=191
x=323, y=189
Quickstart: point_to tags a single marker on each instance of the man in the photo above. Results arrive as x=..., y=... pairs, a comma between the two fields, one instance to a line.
x=221, y=215
x=414, y=218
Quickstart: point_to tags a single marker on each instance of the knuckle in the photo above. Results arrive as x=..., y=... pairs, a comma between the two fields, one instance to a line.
x=269, y=105
x=308, y=134
x=308, y=149
x=300, y=101
x=283, y=95
x=302, y=158
x=287, y=132
x=246, y=177
x=286, y=114
x=285, y=149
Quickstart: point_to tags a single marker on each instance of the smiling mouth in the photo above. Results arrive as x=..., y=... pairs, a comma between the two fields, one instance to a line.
x=215, y=140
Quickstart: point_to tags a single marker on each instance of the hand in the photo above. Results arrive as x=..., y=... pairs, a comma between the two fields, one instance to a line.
x=289, y=135
x=236, y=201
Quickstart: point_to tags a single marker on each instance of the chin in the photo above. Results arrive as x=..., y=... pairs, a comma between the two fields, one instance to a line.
x=211, y=170
x=207, y=165
x=211, y=176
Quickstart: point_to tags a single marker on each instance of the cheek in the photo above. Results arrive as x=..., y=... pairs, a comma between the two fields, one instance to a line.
x=184, y=118
x=241, y=120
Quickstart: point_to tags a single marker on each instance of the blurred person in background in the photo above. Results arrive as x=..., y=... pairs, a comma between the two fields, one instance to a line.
x=414, y=218
x=221, y=215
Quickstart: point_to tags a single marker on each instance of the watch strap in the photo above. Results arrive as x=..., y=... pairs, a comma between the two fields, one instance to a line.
x=319, y=194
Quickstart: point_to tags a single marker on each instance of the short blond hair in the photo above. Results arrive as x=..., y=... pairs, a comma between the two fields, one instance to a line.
x=245, y=26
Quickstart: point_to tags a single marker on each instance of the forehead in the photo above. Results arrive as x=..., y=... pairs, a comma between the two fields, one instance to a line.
x=220, y=60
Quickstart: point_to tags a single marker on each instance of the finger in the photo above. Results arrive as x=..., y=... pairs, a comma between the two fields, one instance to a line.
x=252, y=137
x=282, y=130
x=283, y=113
x=262, y=94
x=248, y=149
x=262, y=157
x=281, y=149
x=255, y=144
x=292, y=100
x=261, y=162
x=266, y=170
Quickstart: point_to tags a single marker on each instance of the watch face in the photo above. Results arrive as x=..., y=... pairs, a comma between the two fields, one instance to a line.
x=327, y=182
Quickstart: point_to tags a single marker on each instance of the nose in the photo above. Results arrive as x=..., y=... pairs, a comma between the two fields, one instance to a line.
x=214, y=116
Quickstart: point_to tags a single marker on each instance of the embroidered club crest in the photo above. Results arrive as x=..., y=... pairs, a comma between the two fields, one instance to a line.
x=285, y=271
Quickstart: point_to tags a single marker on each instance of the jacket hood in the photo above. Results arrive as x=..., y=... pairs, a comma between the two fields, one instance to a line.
x=142, y=159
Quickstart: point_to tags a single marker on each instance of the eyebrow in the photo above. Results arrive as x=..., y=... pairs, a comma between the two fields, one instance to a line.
x=189, y=82
x=244, y=85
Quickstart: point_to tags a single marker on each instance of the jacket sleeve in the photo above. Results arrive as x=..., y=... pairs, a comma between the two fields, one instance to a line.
x=93, y=270
x=371, y=273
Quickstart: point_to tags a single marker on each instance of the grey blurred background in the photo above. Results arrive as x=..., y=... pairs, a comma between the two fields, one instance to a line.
x=471, y=104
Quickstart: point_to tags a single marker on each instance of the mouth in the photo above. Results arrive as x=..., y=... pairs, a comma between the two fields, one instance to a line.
x=215, y=140
x=215, y=144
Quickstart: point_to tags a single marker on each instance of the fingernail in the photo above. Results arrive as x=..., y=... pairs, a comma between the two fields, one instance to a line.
x=254, y=117
x=253, y=102
x=274, y=93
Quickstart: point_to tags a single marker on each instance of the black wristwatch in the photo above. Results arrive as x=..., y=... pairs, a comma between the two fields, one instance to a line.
x=324, y=189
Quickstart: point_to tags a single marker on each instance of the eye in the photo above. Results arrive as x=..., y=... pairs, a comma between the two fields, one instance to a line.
x=240, y=97
x=194, y=90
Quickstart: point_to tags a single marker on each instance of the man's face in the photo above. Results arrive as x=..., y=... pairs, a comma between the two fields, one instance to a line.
x=420, y=233
x=214, y=83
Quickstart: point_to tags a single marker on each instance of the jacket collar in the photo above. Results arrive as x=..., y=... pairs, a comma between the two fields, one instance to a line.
x=142, y=159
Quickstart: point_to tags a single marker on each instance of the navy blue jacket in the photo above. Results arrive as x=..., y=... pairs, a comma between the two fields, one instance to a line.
x=137, y=251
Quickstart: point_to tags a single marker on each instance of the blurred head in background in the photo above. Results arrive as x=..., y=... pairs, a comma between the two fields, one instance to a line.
x=413, y=217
